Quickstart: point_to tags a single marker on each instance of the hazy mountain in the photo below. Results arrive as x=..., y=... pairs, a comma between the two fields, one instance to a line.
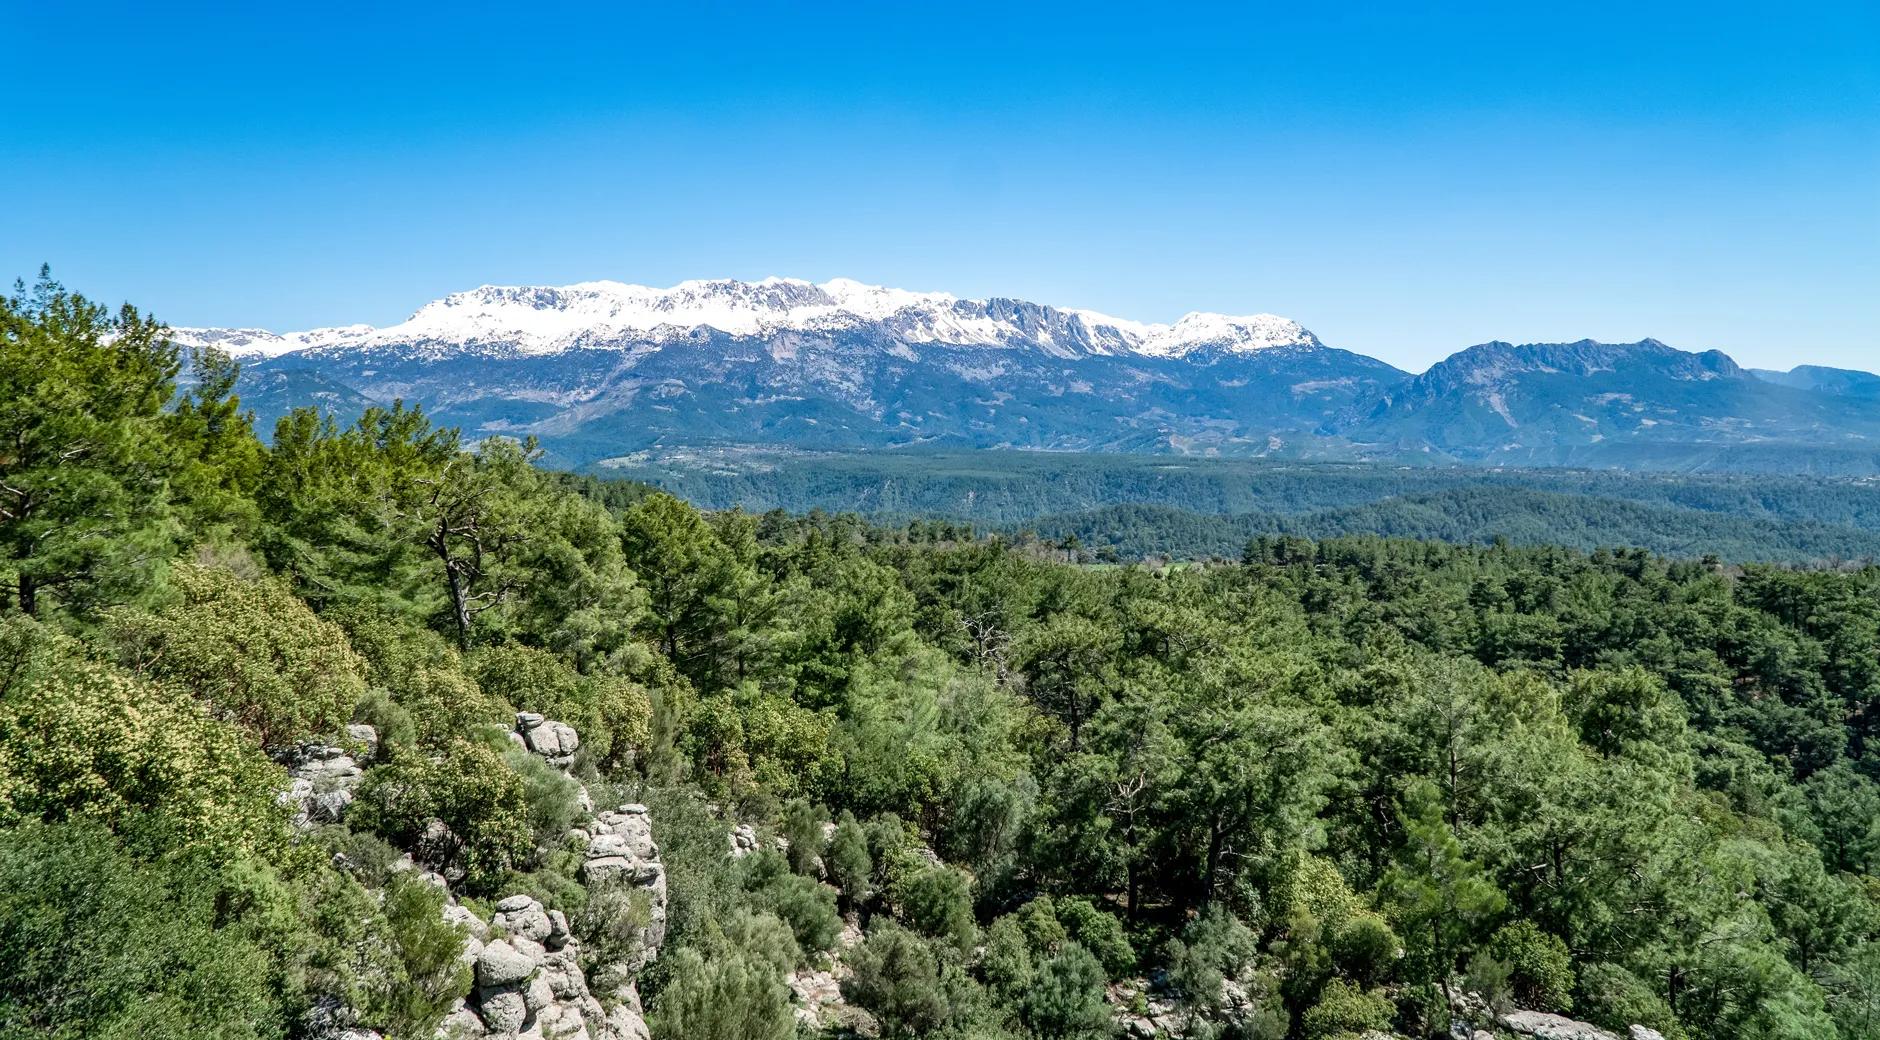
x=1599, y=404
x=1845, y=381
x=601, y=369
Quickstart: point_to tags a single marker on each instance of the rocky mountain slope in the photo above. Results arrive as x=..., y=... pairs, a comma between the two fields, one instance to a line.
x=603, y=369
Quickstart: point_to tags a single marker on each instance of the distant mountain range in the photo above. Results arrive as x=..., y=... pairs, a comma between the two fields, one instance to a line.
x=602, y=370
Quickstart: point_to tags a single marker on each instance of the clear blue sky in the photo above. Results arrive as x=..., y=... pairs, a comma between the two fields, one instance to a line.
x=1405, y=181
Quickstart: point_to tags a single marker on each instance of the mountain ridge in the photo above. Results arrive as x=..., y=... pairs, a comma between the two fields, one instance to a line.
x=550, y=319
x=596, y=370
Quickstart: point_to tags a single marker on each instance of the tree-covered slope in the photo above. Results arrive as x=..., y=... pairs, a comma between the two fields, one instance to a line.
x=366, y=732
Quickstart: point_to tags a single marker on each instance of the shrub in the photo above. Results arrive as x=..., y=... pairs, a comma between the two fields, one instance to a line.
x=728, y=997
x=1540, y=970
x=102, y=941
x=446, y=704
x=802, y=828
x=612, y=714
x=938, y=901
x=1615, y=998
x=432, y=975
x=1066, y=1000
x=251, y=650
x=1345, y=1010
x=809, y=908
x=1365, y=948
x=88, y=740
x=470, y=789
x=551, y=801
x=896, y=978
x=1100, y=933
x=394, y=724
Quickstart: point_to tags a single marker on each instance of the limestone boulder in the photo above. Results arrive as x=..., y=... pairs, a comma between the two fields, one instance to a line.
x=555, y=741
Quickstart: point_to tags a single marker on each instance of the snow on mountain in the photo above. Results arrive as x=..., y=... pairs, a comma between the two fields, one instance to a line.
x=548, y=320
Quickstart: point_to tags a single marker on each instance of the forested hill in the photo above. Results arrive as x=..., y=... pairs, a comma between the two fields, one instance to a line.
x=369, y=733
x=1469, y=516
x=1139, y=505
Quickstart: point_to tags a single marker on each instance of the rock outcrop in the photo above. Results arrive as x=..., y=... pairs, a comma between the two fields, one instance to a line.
x=528, y=978
x=555, y=741
x=526, y=964
x=323, y=777
x=1540, y=1025
x=621, y=852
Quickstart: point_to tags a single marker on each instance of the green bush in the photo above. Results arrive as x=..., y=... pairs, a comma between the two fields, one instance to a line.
x=809, y=908
x=895, y=977
x=802, y=828
x=102, y=942
x=1540, y=970
x=80, y=739
x=1100, y=933
x=938, y=901
x=1066, y=1001
x=432, y=975
x=471, y=790
x=550, y=798
x=1365, y=949
x=1615, y=998
x=391, y=720
x=1344, y=1010
x=727, y=997
x=251, y=650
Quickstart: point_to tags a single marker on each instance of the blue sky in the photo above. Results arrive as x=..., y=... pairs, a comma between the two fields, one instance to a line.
x=1403, y=180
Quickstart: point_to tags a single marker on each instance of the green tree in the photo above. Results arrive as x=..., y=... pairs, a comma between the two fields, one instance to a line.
x=1066, y=999
x=1440, y=896
x=688, y=575
x=851, y=868
x=726, y=997
x=895, y=976
x=937, y=901
x=85, y=509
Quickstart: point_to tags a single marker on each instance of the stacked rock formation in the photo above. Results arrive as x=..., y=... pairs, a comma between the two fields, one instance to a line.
x=323, y=777
x=555, y=741
x=528, y=978
x=621, y=851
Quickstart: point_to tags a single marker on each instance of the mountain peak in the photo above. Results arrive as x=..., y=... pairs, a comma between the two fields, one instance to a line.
x=530, y=319
x=1199, y=331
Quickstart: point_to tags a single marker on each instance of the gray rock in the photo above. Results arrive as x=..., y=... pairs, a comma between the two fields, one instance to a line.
x=321, y=779
x=501, y=964
x=505, y=1011
x=364, y=734
x=540, y=993
x=627, y=1020
x=328, y=806
x=461, y=1023
x=1638, y=1032
x=1543, y=1026
x=555, y=741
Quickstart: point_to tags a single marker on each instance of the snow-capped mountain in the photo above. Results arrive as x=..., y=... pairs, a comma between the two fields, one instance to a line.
x=599, y=370
x=548, y=320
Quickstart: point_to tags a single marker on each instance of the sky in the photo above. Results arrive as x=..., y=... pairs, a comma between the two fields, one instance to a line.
x=1404, y=180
